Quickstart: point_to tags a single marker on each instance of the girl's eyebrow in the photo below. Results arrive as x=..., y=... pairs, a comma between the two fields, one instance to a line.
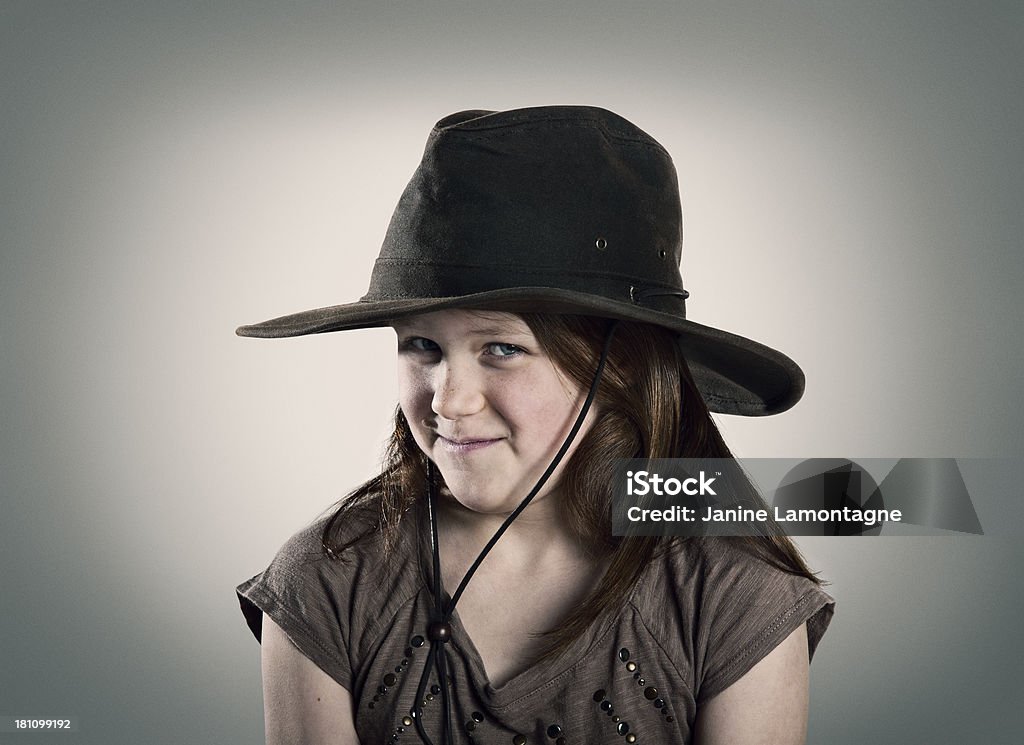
x=498, y=331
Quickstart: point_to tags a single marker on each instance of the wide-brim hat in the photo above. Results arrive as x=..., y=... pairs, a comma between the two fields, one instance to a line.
x=555, y=209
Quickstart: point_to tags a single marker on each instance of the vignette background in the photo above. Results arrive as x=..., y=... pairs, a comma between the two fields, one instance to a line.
x=851, y=183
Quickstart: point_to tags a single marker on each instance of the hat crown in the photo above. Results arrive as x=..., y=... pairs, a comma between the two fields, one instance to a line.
x=555, y=209
x=569, y=197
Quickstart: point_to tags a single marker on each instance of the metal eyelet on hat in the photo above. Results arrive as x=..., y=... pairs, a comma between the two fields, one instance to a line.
x=601, y=244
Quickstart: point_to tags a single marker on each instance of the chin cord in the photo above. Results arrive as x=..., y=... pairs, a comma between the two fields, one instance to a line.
x=439, y=630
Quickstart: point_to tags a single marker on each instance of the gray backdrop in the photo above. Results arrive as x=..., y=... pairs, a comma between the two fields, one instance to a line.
x=851, y=181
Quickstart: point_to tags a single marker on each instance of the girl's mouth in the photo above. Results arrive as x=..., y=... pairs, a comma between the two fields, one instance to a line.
x=464, y=446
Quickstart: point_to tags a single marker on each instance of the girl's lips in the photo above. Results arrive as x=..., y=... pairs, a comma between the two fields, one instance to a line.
x=464, y=446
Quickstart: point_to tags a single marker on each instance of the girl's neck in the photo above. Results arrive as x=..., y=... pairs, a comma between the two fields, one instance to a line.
x=538, y=534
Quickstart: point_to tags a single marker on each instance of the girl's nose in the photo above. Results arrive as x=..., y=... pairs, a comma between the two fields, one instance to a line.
x=458, y=391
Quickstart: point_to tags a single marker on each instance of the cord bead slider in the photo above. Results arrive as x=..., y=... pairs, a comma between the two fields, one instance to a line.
x=439, y=631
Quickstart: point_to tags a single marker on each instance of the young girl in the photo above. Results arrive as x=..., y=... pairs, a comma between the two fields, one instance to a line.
x=473, y=591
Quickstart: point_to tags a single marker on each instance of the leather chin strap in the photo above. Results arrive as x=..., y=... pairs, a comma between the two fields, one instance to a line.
x=439, y=628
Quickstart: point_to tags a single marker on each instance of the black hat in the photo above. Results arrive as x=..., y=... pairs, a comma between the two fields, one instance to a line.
x=560, y=209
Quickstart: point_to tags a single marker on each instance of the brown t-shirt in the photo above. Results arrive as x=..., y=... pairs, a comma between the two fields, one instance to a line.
x=699, y=618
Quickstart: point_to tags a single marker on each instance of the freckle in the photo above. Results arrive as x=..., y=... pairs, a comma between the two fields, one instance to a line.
x=317, y=698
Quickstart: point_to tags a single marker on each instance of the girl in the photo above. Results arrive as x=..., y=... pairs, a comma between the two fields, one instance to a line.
x=473, y=592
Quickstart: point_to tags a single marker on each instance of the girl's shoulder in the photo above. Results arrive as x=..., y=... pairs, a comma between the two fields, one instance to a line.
x=720, y=607
x=327, y=602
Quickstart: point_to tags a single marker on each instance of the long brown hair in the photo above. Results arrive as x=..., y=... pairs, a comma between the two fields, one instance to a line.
x=649, y=407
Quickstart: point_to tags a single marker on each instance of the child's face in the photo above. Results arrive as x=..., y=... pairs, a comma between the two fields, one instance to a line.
x=485, y=404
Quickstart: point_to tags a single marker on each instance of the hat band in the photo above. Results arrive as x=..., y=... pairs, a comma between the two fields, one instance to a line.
x=403, y=279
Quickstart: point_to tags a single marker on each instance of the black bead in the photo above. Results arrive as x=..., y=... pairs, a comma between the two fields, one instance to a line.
x=435, y=689
x=561, y=741
x=623, y=654
x=668, y=719
x=641, y=681
x=636, y=675
x=554, y=731
x=650, y=693
x=398, y=669
x=659, y=703
x=390, y=679
x=416, y=641
x=477, y=716
x=599, y=694
x=439, y=631
x=382, y=689
x=470, y=725
x=519, y=740
x=623, y=728
x=606, y=705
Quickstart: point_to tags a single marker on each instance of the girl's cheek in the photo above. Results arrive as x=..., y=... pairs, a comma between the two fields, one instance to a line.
x=413, y=387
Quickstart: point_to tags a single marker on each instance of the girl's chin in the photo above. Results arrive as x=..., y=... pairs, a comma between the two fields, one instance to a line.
x=485, y=505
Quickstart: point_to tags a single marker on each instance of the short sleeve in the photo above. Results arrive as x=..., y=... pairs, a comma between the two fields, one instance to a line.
x=307, y=595
x=748, y=608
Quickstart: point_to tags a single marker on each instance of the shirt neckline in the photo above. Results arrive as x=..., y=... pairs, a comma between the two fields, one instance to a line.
x=539, y=675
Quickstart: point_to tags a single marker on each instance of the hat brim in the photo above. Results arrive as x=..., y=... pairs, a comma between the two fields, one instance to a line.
x=735, y=375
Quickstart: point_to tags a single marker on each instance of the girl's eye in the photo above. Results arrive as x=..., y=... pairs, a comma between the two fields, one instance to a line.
x=499, y=349
x=421, y=345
